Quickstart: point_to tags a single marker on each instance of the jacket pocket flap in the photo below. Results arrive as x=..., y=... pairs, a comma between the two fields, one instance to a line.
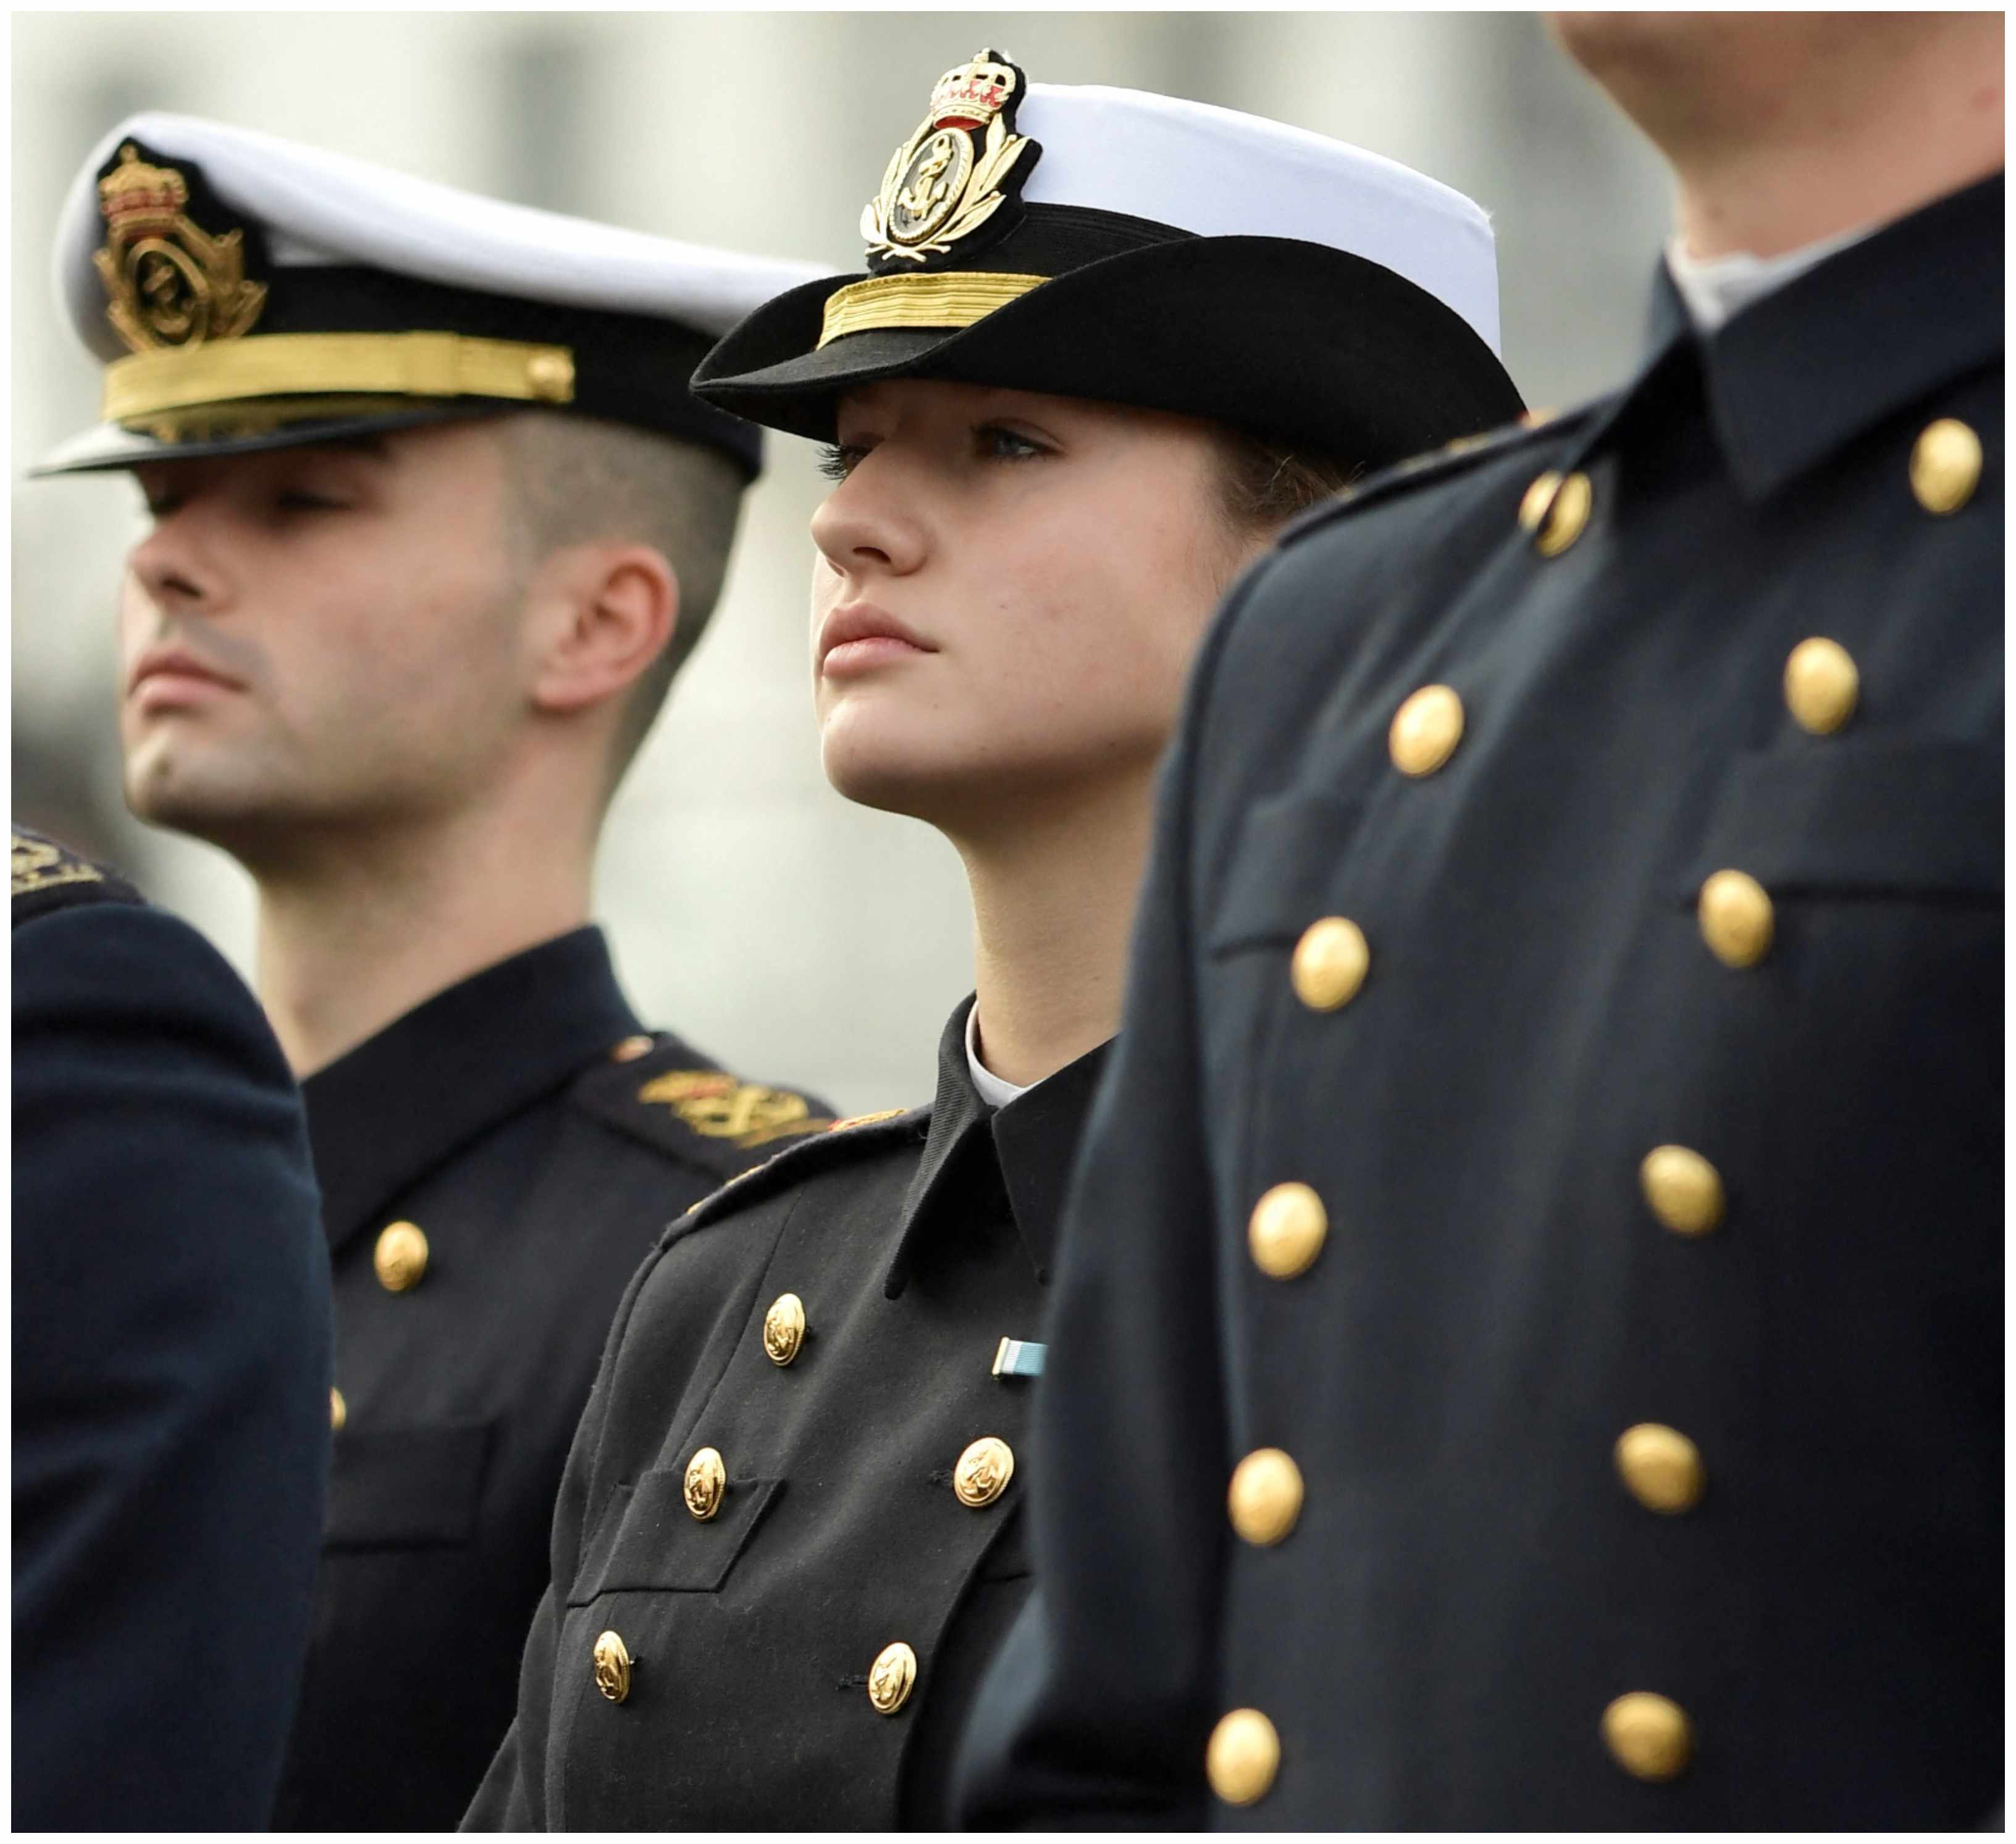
x=1914, y=819
x=1283, y=869
x=406, y=1486
x=653, y=1541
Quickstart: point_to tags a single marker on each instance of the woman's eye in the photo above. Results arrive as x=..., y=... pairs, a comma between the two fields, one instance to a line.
x=838, y=460
x=298, y=501
x=998, y=444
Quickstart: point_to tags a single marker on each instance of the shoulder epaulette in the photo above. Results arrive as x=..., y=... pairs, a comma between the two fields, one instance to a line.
x=842, y=1142
x=663, y=1092
x=48, y=876
x=1437, y=466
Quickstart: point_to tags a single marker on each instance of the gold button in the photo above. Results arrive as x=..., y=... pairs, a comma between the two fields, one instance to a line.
x=784, y=1328
x=400, y=1257
x=1533, y=507
x=983, y=1471
x=1736, y=918
x=630, y=1049
x=1821, y=685
x=1648, y=1736
x=707, y=1480
x=1557, y=509
x=612, y=1663
x=1661, y=1467
x=1266, y=1496
x=1243, y=1758
x=339, y=1411
x=891, y=1677
x=1684, y=1190
x=1330, y=963
x=1425, y=730
x=551, y=376
x=1285, y=1231
x=1946, y=466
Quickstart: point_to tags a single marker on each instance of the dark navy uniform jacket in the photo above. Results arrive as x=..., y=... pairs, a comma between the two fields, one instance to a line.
x=494, y=1164
x=1779, y=1603
x=803, y=1656
x=170, y=1368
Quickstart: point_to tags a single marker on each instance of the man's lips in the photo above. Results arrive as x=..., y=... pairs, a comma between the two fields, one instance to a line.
x=174, y=677
x=858, y=637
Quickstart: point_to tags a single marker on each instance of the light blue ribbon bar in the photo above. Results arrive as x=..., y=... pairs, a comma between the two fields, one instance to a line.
x=1018, y=1357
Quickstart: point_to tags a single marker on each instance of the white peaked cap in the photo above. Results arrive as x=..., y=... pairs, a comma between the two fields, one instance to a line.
x=1217, y=173
x=323, y=208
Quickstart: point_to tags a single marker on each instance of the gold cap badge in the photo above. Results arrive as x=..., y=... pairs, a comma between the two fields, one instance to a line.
x=953, y=173
x=171, y=285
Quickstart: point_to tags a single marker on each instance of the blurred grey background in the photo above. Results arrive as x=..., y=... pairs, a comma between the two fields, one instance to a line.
x=790, y=935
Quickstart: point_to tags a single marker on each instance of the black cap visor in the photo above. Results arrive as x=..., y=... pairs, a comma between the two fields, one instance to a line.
x=241, y=429
x=1290, y=341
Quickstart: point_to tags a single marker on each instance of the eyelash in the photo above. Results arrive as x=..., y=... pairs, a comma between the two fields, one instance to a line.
x=838, y=460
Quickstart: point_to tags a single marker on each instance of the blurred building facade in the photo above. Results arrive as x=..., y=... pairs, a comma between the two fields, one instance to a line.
x=752, y=909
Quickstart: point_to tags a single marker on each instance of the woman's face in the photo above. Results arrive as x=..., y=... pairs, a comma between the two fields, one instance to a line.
x=1008, y=591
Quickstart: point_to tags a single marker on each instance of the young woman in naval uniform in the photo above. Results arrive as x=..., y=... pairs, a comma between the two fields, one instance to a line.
x=1107, y=343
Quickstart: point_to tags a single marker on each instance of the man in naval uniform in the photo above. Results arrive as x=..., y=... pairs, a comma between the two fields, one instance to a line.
x=1527, y=1349
x=435, y=519
x=171, y=1350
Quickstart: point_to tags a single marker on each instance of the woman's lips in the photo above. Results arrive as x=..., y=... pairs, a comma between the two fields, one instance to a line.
x=851, y=658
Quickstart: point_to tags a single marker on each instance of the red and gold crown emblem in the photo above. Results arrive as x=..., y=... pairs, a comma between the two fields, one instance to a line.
x=951, y=175
x=170, y=284
x=972, y=94
x=138, y=199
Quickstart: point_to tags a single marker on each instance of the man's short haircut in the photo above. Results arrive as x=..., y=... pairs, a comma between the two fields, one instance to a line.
x=575, y=480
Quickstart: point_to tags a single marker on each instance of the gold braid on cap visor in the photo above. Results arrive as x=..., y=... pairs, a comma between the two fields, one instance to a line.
x=950, y=297
x=289, y=364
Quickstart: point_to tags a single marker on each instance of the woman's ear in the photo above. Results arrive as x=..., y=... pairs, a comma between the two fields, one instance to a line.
x=613, y=610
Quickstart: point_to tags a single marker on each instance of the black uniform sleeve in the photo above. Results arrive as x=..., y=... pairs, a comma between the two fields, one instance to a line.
x=171, y=1374
x=1097, y=1708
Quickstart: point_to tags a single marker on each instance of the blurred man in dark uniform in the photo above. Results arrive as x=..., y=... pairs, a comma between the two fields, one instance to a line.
x=1528, y=1345
x=172, y=1364
x=435, y=519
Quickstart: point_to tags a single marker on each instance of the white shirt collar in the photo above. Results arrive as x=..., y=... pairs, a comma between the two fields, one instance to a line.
x=992, y=1090
x=1718, y=288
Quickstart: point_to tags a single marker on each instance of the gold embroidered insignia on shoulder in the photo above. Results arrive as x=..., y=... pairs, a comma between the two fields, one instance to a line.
x=863, y=1120
x=40, y=864
x=171, y=285
x=717, y=1106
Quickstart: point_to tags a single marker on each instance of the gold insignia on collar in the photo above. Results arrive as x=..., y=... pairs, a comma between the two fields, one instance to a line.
x=716, y=1105
x=38, y=865
x=863, y=1120
x=944, y=182
x=172, y=285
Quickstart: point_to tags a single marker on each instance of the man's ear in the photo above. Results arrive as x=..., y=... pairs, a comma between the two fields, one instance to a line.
x=612, y=610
